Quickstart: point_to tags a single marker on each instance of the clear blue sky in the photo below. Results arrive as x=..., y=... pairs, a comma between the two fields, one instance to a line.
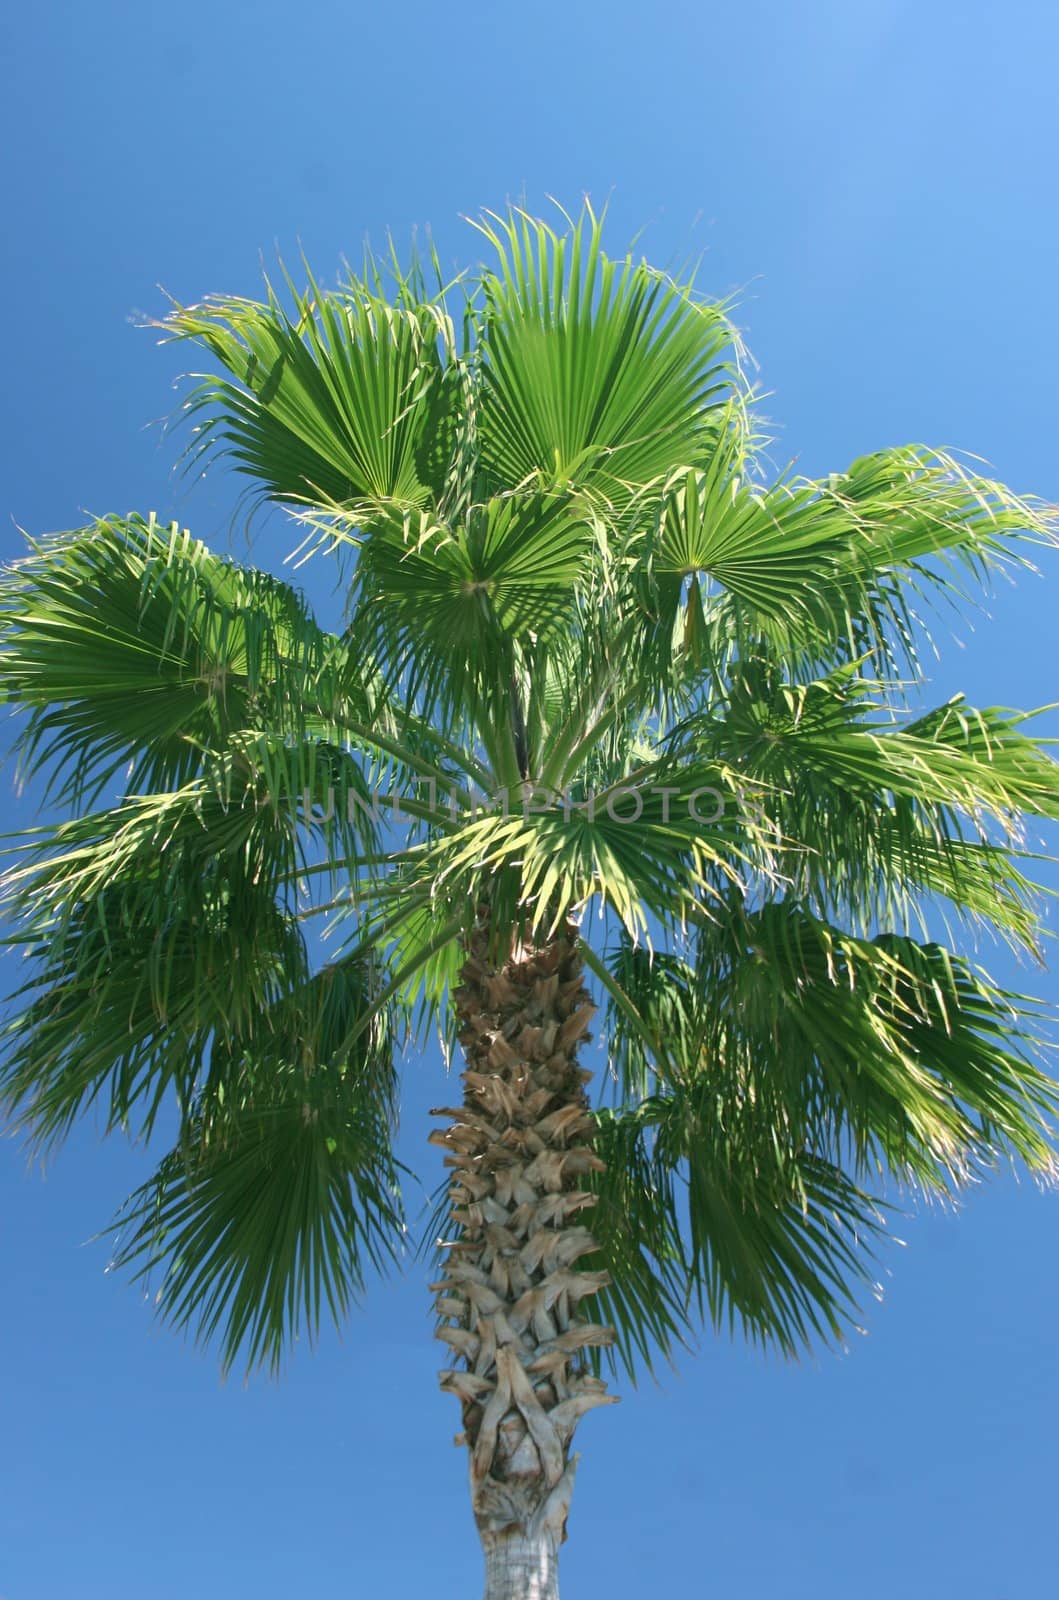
x=878, y=182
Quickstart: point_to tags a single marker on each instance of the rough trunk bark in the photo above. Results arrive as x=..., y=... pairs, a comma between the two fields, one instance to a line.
x=510, y=1297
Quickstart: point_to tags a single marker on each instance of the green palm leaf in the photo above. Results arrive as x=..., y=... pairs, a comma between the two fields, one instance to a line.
x=813, y=574
x=337, y=401
x=130, y=643
x=601, y=373
x=283, y=1188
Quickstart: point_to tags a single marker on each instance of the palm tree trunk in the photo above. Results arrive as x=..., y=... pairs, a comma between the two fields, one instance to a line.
x=521, y=1566
x=511, y=1294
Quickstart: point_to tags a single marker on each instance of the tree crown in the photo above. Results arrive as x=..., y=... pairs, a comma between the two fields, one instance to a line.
x=610, y=669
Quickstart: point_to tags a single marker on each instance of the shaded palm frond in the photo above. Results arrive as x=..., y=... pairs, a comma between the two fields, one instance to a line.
x=283, y=1188
x=718, y=1218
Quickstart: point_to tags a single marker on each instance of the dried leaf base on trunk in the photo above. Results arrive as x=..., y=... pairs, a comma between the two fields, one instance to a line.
x=511, y=1297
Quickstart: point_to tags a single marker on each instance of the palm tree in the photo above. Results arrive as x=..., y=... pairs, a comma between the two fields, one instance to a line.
x=613, y=721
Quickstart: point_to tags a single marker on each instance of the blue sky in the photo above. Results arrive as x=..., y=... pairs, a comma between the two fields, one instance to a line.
x=876, y=183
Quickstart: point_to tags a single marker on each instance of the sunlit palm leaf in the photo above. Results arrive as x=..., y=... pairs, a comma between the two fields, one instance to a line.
x=884, y=1051
x=339, y=400
x=813, y=573
x=131, y=643
x=602, y=373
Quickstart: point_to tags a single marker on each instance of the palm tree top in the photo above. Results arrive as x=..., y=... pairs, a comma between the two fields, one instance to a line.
x=626, y=686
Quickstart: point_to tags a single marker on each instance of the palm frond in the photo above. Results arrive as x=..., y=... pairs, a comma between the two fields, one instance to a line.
x=872, y=812
x=768, y=1082
x=132, y=644
x=341, y=399
x=814, y=574
x=595, y=372
x=642, y=1247
x=626, y=847
x=895, y=1056
x=770, y=1240
x=160, y=928
x=445, y=609
x=283, y=1190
